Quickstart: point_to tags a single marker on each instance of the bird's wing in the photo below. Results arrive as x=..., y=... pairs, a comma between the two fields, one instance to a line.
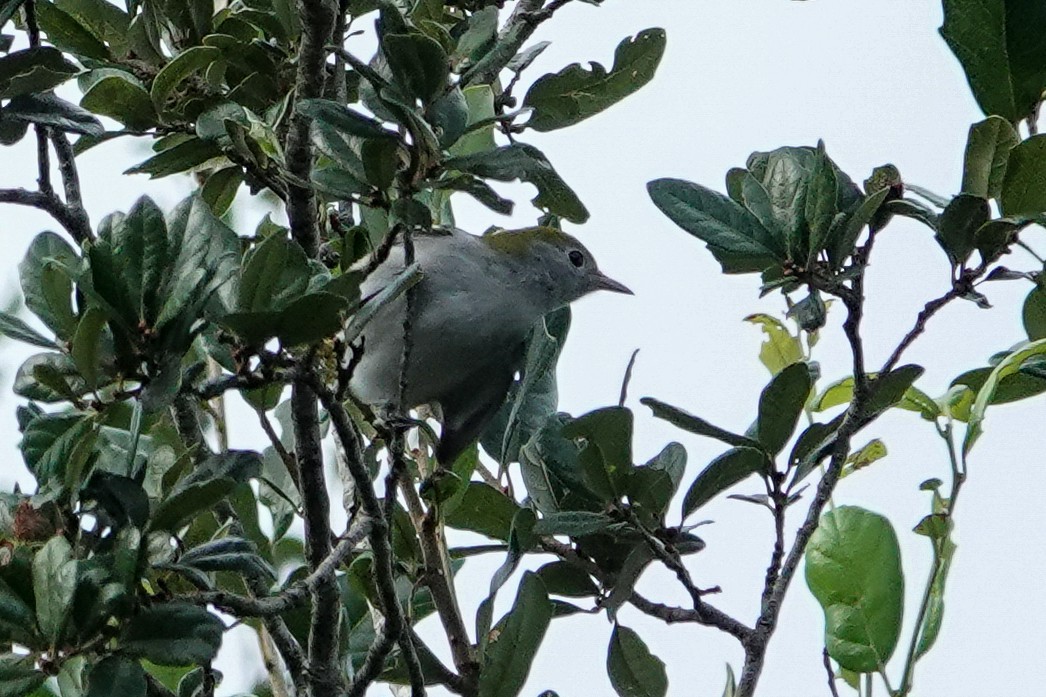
x=470, y=407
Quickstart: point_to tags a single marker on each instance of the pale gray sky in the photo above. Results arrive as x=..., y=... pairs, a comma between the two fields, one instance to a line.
x=877, y=83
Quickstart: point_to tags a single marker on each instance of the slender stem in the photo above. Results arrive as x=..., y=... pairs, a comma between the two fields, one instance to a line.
x=831, y=673
x=52, y=205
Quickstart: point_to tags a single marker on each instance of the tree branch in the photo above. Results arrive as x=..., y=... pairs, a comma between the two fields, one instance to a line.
x=521, y=24
x=317, y=26
x=324, y=673
x=76, y=226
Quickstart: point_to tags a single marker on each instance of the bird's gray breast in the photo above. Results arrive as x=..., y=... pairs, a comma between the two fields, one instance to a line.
x=469, y=320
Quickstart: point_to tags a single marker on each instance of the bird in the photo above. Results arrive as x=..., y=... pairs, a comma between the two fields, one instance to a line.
x=473, y=310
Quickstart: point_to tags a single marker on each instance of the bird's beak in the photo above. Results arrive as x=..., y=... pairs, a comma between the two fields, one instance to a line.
x=607, y=283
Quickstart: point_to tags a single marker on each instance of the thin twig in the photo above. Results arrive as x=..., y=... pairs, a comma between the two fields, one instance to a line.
x=71, y=182
x=831, y=673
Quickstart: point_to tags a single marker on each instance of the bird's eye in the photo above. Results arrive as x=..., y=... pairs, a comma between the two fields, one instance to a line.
x=576, y=258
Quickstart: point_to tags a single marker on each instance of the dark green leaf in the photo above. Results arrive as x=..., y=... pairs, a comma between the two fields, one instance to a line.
x=343, y=119
x=48, y=110
x=633, y=670
x=121, y=96
x=853, y=568
x=572, y=523
x=508, y=655
x=576, y=93
x=14, y=328
x=1024, y=186
x=192, y=60
x=739, y=242
x=780, y=405
x=842, y=239
x=182, y=157
x=46, y=284
x=958, y=225
x=1007, y=367
x=220, y=189
x=606, y=435
x=527, y=163
x=419, y=64
x=33, y=70
x=485, y=510
x=50, y=443
x=173, y=634
x=116, y=675
x=65, y=32
x=987, y=153
x=1001, y=51
x=563, y=578
x=104, y=20
x=1034, y=314
x=944, y=551
x=733, y=466
x=695, y=424
x=18, y=676
x=228, y=554
x=653, y=485
x=54, y=585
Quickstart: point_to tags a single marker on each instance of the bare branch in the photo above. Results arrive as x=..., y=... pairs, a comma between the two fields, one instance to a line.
x=76, y=226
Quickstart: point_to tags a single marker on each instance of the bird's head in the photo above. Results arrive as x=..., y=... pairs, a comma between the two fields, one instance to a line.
x=558, y=263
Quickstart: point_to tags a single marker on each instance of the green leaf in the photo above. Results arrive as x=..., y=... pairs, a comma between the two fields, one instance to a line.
x=50, y=442
x=66, y=33
x=121, y=96
x=853, y=568
x=780, y=349
x=104, y=20
x=987, y=153
x=49, y=110
x=533, y=399
x=695, y=424
x=780, y=405
x=526, y=163
x=419, y=64
x=607, y=437
x=485, y=510
x=116, y=675
x=480, y=102
x=1034, y=314
x=54, y=585
x=575, y=93
x=49, y=377
x=344, y=120
x=1001, y=51
x=1024, y=186
x=46, y=284
x=730, y=468
x=633, y=670
x=14, y=328
x=739, y=242
x=841, y=244
x=1008, y=366
x=380, y=158
x=944, y=551
x=220, y=189
x=173, y=634
x=33, y=70
x=572, y=523
x=182, y=157
x=18, y=677
x=652, y=486
x=192, y=60
x=957, y=227
x=275, y=273
x=563, y=578
x=509, y=654
x=229, y=554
